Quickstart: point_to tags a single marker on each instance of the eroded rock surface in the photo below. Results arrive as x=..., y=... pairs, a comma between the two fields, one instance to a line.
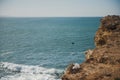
x=103, y=62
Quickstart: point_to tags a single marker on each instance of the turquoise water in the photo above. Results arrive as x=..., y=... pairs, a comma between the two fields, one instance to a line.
x=30, y=46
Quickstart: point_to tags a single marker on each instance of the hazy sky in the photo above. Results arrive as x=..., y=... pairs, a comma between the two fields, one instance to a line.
x=58, y=8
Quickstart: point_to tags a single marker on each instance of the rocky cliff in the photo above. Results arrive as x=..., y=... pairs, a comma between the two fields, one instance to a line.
x=103, y=62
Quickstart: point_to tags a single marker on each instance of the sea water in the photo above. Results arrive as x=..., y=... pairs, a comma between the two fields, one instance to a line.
x=41, y=48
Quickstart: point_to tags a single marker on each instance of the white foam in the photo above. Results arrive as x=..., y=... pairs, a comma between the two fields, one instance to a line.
x=24, y=76
x=29, y=72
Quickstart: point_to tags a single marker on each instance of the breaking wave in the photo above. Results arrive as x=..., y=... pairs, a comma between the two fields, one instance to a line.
x=25, y=72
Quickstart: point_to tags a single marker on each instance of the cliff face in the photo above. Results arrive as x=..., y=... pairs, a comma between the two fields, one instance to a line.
x=103, y=62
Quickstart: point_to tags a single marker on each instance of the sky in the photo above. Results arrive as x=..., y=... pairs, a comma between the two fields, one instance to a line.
x=58, y=8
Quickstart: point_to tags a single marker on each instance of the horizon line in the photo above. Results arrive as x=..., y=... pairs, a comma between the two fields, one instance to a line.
x=53, y=16
x=50, y=16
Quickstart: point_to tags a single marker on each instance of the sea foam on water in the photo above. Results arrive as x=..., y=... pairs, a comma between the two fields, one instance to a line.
x=25, y=72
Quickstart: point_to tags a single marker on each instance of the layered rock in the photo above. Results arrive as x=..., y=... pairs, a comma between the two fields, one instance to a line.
x=103, y=62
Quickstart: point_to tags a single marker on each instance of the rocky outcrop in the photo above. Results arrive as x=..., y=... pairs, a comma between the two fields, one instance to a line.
x=103, y=62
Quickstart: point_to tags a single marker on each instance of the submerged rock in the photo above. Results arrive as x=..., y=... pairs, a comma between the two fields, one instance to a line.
x=103, y=62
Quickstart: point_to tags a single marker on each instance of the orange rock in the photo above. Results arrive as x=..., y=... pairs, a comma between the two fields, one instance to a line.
x=103, y=62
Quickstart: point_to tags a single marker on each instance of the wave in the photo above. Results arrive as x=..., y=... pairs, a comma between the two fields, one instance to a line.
x=6, y=53
x=25, y=72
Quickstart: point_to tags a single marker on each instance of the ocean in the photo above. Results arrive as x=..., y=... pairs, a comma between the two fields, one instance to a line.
x=41, y=48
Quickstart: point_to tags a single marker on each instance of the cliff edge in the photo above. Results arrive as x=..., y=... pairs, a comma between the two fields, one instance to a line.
x=103, y=62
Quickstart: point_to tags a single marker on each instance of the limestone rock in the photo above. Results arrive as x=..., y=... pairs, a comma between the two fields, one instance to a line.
x=103, y=62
